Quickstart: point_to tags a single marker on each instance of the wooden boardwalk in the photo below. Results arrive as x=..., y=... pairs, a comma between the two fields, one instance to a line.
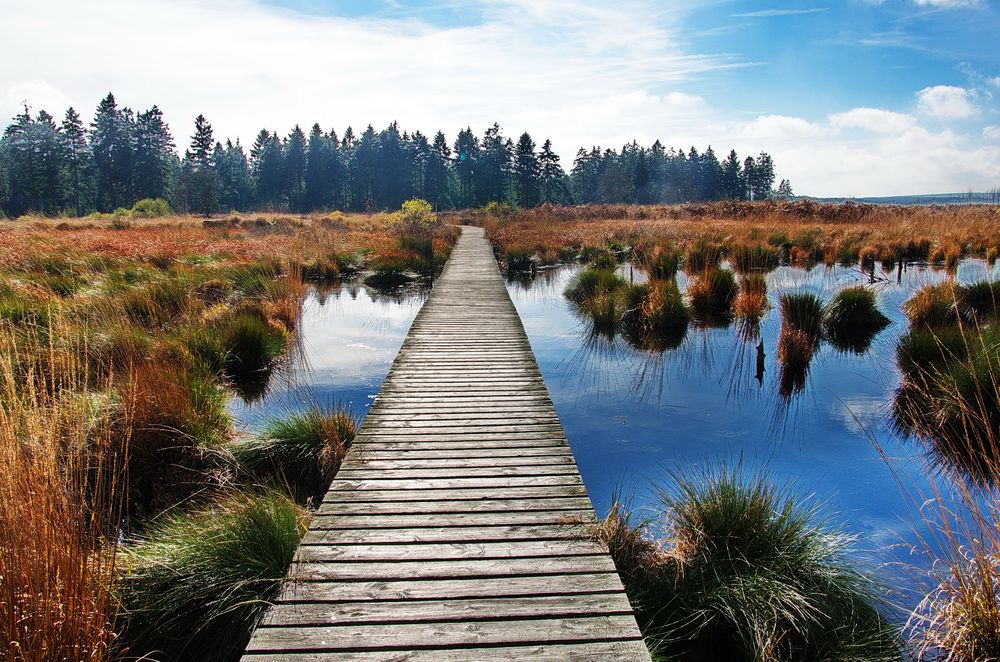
x=457, y=528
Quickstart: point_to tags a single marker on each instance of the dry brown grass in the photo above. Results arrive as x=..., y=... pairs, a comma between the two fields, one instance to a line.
x=59, y=491
x=808, y=231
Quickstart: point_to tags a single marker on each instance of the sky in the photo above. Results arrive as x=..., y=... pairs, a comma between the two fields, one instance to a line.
x=851, y=98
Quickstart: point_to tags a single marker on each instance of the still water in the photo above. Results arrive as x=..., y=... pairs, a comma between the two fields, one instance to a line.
x=633, y=417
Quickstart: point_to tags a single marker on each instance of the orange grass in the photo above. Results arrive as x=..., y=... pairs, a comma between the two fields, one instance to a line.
x=806, y=231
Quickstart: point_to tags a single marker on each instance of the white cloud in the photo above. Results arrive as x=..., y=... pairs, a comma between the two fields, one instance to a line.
x=875, y=120
x=991, y=132
x=994, y=82
x=949, y=4
x=946, y=102
x=596, y=73
x=768, y=13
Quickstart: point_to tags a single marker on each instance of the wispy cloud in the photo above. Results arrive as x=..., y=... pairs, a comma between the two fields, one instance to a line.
x=768, y=13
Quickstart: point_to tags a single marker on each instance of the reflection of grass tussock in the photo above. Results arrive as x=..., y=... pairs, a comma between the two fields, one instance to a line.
x=733, y=568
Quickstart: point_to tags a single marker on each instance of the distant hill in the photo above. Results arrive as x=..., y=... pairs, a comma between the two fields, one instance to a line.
x=987, y=198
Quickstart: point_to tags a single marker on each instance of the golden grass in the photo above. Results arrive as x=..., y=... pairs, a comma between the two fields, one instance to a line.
x=808, y=231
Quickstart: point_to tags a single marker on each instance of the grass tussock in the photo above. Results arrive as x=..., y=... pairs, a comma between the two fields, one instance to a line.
x=852, y=319
x=302, y=450
x=197, y=583
x=712, y=294
x=731, y=567
x=932, y=306
x=802, y=311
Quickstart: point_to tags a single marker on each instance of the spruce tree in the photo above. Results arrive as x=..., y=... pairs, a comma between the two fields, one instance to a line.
x=553, y=178
x=77, y=167
x=731, y=186
x=104, y=144
x=527, y=173
x=466, y=164
x=200, y=180
x=154, y=154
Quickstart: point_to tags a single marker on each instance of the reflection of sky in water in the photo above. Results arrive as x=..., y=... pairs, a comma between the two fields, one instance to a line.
x=631, y=417
x=348, y=340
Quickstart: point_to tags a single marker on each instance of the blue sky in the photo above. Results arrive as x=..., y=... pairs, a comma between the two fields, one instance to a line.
x=862, y=97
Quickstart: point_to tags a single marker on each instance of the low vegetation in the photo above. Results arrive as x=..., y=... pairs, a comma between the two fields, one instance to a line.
x=122, y=474
x=730, y=567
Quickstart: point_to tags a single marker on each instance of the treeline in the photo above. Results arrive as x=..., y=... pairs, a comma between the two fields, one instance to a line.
x=123, y=157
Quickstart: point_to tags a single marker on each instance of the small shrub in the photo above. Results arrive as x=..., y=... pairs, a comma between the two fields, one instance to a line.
x=151, y=208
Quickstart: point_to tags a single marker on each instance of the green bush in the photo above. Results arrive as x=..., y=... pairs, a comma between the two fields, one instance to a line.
x=196, y=585
x=151, y=208
x=417, y=217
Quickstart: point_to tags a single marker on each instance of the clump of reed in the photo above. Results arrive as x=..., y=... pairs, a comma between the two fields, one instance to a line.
x=61, y=464
x=702, y=255
x=591, y=283
x=978, y=301
x=751, y=303
x=802, y=311
x=656, y=317
x=711, y=295
x=950, y=397
x=301, y=450
x=731, y=567
x=519, y=261
x=197, y=583
x=747, y=258
x=662, y=262
x=852, y=319
x=932, y=306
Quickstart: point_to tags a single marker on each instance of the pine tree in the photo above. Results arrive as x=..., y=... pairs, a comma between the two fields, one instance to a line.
x=553, y=177
x=762, y=179
x=32, y=151
x=77, y=170
x=318, y=180
x=362, y=169
x=200, y=181
x=154, y=155
x=104, y=143
x=233, y=173
x=437, y=179
x=784, y=191
x=731, y=185
x=295, y=168
x=494, y=167
x=749, y=178
x=466, y=164
x=527, y=173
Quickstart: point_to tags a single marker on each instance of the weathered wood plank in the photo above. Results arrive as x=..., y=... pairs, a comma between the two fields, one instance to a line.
x=438, y=635
x=548, y=652
x=462, y=609
x=458, y=527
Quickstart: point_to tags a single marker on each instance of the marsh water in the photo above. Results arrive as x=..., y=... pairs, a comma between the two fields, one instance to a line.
x=634, y=417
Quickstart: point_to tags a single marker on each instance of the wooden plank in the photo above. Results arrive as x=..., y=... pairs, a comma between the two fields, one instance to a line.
x=439, y=551
x=461, y=609
x=458, y=527
x=446, y=589
x=548, y=652
x=447, y=506
x=582, y=516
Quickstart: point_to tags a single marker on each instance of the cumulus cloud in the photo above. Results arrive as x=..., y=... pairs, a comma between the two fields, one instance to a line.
x=603, y=73
x=875, y=120
x=946, y=102
x=991, y=132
